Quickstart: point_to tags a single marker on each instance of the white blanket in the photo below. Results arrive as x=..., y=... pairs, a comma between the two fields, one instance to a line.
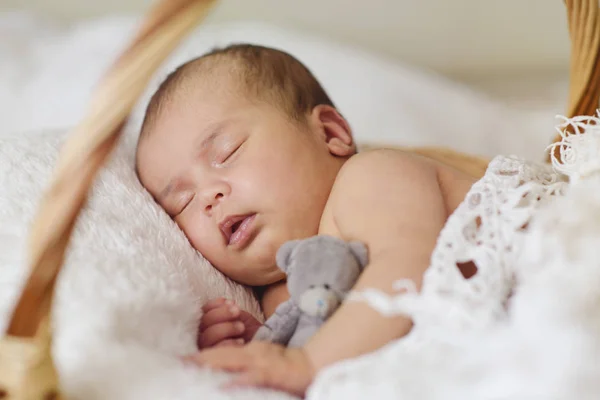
x=130, y=294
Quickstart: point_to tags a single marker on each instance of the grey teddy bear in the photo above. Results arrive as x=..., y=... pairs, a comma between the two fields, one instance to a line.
x=320, y=271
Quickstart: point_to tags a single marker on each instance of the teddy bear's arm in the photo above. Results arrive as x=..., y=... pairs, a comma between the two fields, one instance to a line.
x=280, y=327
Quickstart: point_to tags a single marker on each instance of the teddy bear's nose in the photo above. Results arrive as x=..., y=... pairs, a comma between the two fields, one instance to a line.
x=318, y=302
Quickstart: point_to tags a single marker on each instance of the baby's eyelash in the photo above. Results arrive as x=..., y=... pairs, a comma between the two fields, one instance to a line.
x=185, y=204
x=230, y=153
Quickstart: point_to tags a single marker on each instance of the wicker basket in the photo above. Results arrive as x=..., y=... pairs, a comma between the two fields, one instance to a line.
x=26, y=367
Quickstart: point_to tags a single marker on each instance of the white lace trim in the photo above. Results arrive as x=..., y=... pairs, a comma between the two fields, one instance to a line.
x=511, y=227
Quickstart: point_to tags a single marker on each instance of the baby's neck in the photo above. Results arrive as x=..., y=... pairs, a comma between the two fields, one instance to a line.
x=272, y=296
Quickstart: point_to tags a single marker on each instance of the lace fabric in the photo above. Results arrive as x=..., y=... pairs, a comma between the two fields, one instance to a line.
x=453, y=314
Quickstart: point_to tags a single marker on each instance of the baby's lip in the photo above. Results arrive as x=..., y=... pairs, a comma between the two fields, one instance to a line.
x=227, y=223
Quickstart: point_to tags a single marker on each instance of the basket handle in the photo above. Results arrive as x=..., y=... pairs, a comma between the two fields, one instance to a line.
x=87, y=148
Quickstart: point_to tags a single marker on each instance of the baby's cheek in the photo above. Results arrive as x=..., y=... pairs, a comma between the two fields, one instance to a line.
x=204, y=239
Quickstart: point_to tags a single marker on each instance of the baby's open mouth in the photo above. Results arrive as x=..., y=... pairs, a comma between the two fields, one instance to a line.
x=235, y=226
x=236, y=229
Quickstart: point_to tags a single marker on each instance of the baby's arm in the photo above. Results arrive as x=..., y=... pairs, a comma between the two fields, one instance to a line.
x=394, y=204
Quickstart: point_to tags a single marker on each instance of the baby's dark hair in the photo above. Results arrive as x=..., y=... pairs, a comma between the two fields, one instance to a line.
x=267, y=74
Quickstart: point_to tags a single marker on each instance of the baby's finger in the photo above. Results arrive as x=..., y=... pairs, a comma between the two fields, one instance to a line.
x=231, y=343
x=219, y=301
x=218, y=315
x=218, y=332
x=254, y=378
x=267, y=378
x=231, y=359
x=251, y=324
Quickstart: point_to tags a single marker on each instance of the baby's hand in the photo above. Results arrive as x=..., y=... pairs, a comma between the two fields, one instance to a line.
x=261, y=364
x=223, y=323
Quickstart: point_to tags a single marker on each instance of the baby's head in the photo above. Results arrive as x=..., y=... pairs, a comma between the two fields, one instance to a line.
x=241, y=147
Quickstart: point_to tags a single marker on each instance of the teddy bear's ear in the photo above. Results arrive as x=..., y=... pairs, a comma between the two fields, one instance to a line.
x=359, y=250
x=284, y=254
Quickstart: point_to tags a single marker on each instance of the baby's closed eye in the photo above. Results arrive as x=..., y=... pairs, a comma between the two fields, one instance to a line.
x=180, y=204
x=229, y=151
x=226, y=146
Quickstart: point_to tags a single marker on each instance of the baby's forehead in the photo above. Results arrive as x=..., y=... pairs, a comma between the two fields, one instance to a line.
x=195, y=91
x=199, y=87
x=212, y=87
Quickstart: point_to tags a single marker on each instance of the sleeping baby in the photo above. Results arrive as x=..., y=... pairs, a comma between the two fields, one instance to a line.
x=245, y=150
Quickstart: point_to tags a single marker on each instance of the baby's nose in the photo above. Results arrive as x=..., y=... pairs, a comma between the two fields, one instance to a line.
x=211, y=202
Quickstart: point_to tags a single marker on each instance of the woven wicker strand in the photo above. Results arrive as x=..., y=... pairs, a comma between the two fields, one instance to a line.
x=584, y=30
x=584, y=78
x=26, y=367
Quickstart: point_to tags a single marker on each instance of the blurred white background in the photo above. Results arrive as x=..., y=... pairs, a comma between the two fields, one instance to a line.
x=458, y=37
x=516, y=52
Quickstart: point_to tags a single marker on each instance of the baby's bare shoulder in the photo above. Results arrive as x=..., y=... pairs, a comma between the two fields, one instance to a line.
x=389, y=184
x=391, y=201
x=398, y=168
x=379, y=185
x=384, y=166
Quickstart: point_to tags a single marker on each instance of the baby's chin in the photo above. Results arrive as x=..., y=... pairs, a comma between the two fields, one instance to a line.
x=278, y=276
x=264, y=278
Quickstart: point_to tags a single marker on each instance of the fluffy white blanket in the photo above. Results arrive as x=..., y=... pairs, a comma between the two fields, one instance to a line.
x=130, y=294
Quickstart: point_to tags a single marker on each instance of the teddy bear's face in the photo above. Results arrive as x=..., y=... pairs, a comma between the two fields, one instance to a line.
x=319, y=301
x=320, y=270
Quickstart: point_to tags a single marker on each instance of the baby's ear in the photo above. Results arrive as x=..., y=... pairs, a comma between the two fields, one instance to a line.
x=284, y=255
x=334, y=129
x=359, y=250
